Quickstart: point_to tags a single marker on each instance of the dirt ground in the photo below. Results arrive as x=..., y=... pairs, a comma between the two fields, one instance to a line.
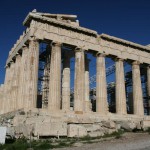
x=128, y=141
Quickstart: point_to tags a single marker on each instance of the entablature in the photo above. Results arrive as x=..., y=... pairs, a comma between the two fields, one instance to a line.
x=45, y=28
x=124, y=49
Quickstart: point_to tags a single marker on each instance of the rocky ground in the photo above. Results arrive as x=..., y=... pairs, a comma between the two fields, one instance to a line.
x=83, y=132
x=128, y=141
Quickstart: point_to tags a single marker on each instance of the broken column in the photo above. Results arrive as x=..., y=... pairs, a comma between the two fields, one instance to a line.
x=138, y=107
x=120, y=88
x=55, y=78
x=101, y=86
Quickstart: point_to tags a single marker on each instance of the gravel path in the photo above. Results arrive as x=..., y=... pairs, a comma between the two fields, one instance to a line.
x=129, y=141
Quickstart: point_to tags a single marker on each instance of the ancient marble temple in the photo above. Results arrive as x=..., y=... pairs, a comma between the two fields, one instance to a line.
x=64, y=39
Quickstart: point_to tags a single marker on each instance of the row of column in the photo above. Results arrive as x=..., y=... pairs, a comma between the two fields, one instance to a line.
x=101, y=93
x=20, y=88
x=81, y=84
x=22, y=78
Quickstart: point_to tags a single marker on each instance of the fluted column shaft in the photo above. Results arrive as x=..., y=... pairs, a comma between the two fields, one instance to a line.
x=120, y=88
x=33, y=63
x=87, y=102
x=25, y=69
x=17, y=80
x=79, y=83
x=66, y=84
x=101, y=86
x=11, y=90
x=55, y=78
x=6, y=89
x=137, y=89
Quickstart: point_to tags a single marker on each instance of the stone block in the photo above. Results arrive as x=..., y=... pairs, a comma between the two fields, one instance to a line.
x=92, y=127
x=23, y=130
x=50, y=129
x=76, y=130
x=145, y=124
x=96, y=134
x=2, y=135
x=127, y=125
x=109, y=124
x=19, y=120
x=10, y=132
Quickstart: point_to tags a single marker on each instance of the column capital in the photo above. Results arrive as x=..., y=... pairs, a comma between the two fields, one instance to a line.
x=135, y=63
x=79, y=49
x=17, y=54
x=24, y=46
x=98, y=54
x=33, y=38
x=11, y=62
x=55, y=43
x=118, y=59
x=148, y=65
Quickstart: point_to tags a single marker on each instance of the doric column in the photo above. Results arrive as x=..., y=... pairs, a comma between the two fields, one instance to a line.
x=87, y=105
x=11, y=103
x=33, y=63
x=17, y=81
x=120, y=88
x=79, y=83
x=54, y=99
x=66, y=83
x=148, y=85
x=8, y=80
x=101, y=86
x=137, y=89
x=6, y=89
x=25, y=70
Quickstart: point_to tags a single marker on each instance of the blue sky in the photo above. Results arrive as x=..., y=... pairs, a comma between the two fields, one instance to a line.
x=127, y=19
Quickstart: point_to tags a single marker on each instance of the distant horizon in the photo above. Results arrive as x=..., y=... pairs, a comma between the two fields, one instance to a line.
x=126, y=20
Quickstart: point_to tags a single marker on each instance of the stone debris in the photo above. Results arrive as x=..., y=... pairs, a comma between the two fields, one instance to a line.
x=37, y=126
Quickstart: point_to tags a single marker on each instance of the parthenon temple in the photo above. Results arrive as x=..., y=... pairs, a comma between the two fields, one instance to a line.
x=39, y=72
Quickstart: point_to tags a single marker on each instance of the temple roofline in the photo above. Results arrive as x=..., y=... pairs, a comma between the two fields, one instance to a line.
x=44, y=17
x=106, y=36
